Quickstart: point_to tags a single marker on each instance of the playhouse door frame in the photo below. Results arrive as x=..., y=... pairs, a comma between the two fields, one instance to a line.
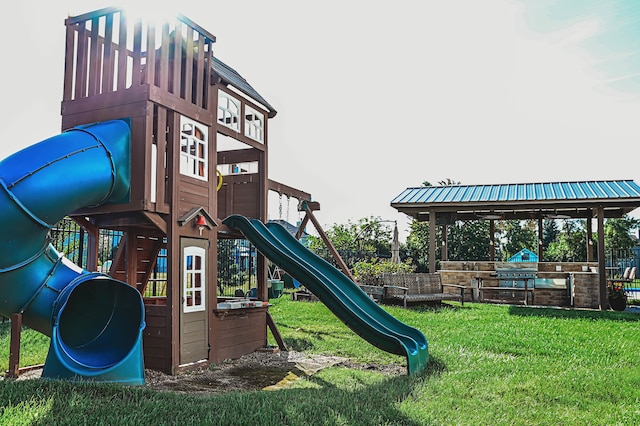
x=194, y=319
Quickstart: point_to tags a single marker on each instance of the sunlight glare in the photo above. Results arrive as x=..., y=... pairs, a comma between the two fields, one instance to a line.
x=157, y=14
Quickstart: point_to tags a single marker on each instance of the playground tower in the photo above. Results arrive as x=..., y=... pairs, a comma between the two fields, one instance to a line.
x=199, y=150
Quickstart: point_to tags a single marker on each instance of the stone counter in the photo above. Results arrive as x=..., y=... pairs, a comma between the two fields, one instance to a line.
x=581, y=278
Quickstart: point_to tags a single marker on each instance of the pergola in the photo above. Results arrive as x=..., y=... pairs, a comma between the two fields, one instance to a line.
x=443, y=205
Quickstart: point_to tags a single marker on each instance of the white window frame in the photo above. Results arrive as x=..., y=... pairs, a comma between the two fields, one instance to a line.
x=194, y=149
x=253, y=124
x=194, y=282
x=228, y=111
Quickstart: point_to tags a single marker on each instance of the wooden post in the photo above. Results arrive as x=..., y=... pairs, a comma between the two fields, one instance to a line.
x=275, y=332
x=14, y=351
x=432, y=241
x=602, y=277
x=589, y=241
x=332, y=249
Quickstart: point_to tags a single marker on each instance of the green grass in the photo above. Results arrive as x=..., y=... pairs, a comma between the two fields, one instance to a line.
x=489, y=364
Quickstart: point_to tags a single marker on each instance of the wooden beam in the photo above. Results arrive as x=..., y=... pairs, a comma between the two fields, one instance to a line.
x=275, y=332
x=343, y=266
x=92, y=241
x=289, y=191
x=14, y=345
x=302, y=226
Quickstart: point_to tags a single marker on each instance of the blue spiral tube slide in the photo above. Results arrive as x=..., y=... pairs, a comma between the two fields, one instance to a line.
x=95, y=322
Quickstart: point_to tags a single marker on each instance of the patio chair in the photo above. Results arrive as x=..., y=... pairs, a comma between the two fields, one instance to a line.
x=628, y=277
x=625, y=275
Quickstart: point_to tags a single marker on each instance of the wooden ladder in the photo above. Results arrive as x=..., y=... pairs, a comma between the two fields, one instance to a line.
x=135, y=259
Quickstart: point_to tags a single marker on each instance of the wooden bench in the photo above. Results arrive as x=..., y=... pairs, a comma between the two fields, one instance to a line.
x=414, y=288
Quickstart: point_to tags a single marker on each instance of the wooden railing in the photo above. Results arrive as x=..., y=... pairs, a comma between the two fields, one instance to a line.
x=108, y=53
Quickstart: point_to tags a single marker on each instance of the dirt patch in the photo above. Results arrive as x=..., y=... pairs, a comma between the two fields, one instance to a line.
x=256, y=371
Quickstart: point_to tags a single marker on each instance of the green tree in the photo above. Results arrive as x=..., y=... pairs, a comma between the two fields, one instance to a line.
x=550, y=233
x=617, y=233
x=364, y=240
x=469, y=240
x=519, y=234
x=570, y=246
x=418, y=245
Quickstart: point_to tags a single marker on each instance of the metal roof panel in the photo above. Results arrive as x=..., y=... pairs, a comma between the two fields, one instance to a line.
x=544, y=191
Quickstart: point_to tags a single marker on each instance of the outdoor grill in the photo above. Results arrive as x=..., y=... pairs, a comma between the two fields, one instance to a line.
x=516, y=277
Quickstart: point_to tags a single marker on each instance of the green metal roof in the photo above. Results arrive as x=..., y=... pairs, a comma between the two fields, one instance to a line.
x=573, y=199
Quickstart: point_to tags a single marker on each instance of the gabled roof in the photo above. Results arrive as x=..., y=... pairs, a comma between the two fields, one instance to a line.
x=230, y=76
x=570, y=199
x=524, y=255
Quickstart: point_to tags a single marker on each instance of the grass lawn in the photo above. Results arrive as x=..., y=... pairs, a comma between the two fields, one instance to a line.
x=489, y=364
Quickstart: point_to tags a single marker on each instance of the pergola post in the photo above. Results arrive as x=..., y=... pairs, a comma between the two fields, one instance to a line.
x=445, y=246
x=492, y=240
x=589, y=236
x=540, y=237
x=601, y=265
x=432, y=241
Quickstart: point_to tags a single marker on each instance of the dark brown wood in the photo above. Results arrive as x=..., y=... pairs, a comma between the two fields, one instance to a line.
x=343, y=266
x=92, y=242
x=432, y=241
x=157, y=338
x=302, y=227
x=67, y=91
x=601, y=261
x=122, y=54
x=109, y=56
x=81, y=62
x=275, y=332
x=95, y=63
x=289, y=191
x=589, y=237
x=14, y=346
x=239, y=333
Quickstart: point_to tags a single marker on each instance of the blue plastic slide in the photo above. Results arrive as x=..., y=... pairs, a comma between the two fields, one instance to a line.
x=341, y=295
x=95, y=322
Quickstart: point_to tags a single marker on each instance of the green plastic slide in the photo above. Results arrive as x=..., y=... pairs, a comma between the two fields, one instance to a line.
x=341, y=295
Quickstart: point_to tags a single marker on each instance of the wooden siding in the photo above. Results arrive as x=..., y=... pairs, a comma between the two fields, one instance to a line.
x=194, y=332
x=238, y=333
x=239, y=195
x=157, y=339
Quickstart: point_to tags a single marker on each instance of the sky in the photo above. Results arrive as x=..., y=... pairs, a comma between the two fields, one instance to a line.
x=377, y=96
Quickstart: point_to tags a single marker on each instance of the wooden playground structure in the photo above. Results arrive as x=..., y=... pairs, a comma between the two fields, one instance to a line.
x=199, y=153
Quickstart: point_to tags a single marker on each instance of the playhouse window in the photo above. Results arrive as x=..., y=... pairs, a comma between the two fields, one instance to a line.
x=228, y=111
x=193, y=149
x=253, y=124
x=194, y=279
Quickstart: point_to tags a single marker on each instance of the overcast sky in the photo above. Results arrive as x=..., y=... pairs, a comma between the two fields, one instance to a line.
x=374, y=97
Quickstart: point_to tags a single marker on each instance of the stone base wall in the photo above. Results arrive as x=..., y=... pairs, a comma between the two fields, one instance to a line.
x=582, y=280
